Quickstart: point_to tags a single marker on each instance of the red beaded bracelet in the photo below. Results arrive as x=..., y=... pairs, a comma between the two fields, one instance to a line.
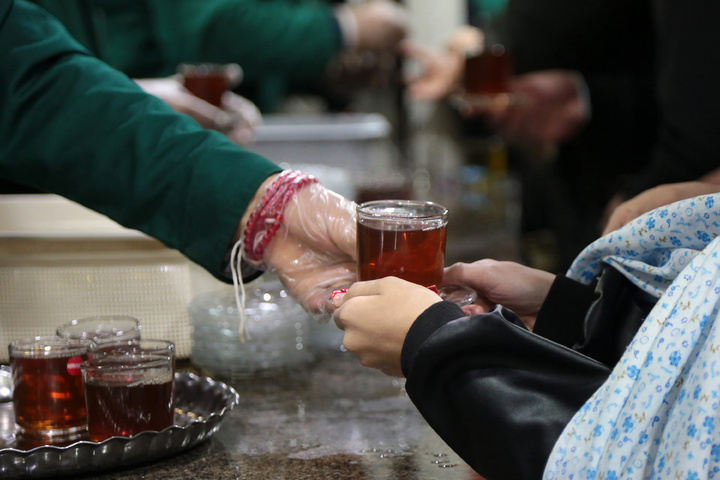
x=267, y=217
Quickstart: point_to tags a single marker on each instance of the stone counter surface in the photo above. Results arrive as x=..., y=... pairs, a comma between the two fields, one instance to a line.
x=332, y=419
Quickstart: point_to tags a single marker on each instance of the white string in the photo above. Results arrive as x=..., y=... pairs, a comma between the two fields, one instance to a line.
x=238, y=286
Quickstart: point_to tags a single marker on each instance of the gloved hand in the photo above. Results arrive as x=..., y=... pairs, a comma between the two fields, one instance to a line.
x=521, y=289
x=377, y=25
x=237, y=119
x=313, y=251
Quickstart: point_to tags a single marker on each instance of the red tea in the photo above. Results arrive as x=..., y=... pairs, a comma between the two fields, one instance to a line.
x=210, y=86
x=118, y=409
x=489, y=72
x=48, y=394
x=406, y=252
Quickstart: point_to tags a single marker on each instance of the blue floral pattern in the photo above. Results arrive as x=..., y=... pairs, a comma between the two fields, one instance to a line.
x=656, y=417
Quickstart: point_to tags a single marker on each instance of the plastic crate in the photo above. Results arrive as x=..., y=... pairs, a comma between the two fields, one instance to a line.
x=60, y=261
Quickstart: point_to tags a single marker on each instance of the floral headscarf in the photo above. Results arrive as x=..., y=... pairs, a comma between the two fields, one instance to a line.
x=656, y=416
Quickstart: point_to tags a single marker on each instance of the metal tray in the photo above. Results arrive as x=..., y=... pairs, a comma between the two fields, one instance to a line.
x=200, y=405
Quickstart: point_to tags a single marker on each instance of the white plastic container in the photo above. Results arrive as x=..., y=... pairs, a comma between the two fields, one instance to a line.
x=356, y=142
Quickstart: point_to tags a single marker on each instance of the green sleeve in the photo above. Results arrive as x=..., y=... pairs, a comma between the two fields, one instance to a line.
x=295, y=39
x=71, y=125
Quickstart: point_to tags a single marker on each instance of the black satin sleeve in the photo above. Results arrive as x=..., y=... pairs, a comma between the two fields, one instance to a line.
x=498, y=394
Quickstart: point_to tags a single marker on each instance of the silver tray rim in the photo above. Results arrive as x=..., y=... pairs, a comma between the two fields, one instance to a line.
x=86, y=456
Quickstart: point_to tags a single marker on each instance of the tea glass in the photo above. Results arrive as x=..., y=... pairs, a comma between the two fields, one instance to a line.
x=406, y=239
x=102, y=328
x=486, y=80
x=127, y=394
x=147, y=346
x=210, y=81
x=48, y=396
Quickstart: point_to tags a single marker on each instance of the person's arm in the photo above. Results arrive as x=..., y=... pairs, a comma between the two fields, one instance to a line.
x=292, y=39
x=71, y=125
x=496, y=393
x=296, y=40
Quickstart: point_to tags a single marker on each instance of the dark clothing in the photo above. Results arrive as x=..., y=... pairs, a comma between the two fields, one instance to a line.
x=688, y=87
x=612, y=44
x=500, y=395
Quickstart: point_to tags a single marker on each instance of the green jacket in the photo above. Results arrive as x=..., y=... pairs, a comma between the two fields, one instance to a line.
x=71, y=125
x=278, y=43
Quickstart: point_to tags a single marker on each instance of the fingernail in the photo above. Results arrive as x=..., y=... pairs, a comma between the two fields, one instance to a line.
x=337, y=292
x=434, y=289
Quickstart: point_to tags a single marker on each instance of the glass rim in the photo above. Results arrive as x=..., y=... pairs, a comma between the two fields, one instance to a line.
x=127, y=323
x=104, y=363
x=366, y=209
x=152, y=342
x=46, y=345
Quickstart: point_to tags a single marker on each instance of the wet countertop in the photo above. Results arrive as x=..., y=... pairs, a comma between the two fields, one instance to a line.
x=330, y=419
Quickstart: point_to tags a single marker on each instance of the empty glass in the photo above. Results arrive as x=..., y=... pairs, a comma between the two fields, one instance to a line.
x=102, y=328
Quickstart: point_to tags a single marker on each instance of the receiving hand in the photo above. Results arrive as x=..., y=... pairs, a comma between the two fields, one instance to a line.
x=439, y=73
x=517, y=287
x=654, y=198
x=550, y=109
x=376, y=316
x=237, y=119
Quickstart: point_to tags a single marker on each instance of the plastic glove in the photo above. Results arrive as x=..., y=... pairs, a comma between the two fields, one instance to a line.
x=314, y=250
x=379, y=25
x=521, y=289
x=237, y=120
x=376, y=316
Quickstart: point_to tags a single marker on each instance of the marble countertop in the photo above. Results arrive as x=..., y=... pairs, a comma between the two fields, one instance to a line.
x=331, y=419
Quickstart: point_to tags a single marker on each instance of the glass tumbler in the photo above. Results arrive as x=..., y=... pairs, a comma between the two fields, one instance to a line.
x=127, y=394
x=402, y=238
x=102, y=328
x=48, y=395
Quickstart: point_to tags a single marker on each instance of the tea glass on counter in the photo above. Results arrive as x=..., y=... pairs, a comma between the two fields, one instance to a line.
x=210, y=81
x=127, y=394
x=102, y=328
x=406, y=239
x=147, y=346
x=48, y=393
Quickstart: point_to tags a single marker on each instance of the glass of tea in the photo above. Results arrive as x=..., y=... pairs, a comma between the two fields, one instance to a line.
x=210, y=81
x=147, y=346
x=48, y=396
x=402, y=238
x=102, y=328
x=406, y=239
x=486, y=80
x=127, y=394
